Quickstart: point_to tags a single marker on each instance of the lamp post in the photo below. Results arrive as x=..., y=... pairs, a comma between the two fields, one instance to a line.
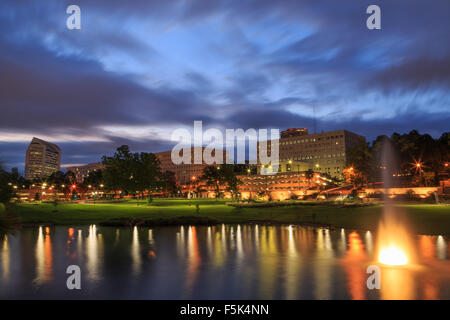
x=193, y=181
x=419, y=168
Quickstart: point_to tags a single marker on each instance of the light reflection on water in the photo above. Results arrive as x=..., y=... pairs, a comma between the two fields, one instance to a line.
x=5, y=257
x=214, y=262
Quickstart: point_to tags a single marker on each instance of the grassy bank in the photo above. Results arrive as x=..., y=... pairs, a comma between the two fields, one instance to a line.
x=425, y=219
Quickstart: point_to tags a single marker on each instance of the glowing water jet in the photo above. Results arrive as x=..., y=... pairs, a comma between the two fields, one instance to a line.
x=394, y=243
x=393, y=256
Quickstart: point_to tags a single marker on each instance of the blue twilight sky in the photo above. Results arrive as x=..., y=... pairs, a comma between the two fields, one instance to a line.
x=137, y=70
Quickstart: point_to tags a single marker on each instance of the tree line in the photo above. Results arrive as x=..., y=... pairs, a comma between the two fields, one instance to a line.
x=422, y=159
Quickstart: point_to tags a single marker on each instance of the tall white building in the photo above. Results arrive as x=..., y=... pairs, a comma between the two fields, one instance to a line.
x=42, y=159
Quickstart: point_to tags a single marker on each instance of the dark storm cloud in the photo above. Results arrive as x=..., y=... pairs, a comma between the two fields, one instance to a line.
x=402, y=123
x=420, y=73
x=60, y=92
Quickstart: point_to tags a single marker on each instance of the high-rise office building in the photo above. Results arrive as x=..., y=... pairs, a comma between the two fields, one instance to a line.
x=42, y=159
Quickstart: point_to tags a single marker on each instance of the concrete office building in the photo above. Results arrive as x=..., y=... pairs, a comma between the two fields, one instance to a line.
x=83, y=171
x=185, y=173
x=42, y=159
x=325, y=152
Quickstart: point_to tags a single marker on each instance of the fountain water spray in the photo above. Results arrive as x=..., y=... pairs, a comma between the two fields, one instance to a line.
x=394, y=243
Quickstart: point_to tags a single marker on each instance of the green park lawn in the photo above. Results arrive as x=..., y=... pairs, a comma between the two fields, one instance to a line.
x=422, y=219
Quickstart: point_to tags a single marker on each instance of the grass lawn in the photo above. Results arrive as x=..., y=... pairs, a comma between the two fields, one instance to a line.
x=424, y=219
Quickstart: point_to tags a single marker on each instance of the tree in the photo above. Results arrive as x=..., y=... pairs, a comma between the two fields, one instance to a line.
x=6, y=193
x=360, y=159
x=230, y=179
x=169, y=183
x=146, y=172
x=422, y=155
x=57, y=181
x=131, y=172
x=117, y=172
x=18, y=180
x=225, y=174
x=6, y=187
x=94, y=179
x=353, y=177
x=213, y=177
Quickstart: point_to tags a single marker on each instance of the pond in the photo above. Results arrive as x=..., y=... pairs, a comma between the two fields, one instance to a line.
x=216, y=262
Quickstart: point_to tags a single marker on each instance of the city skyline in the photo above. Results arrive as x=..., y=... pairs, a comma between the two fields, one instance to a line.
x=133, y=74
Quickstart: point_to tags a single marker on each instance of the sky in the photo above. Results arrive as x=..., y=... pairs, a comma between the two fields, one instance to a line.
x=137, y=70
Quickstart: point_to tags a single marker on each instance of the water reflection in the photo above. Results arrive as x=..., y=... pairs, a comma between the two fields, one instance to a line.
x=323, y=265
x=293, y=266
x=150, y=236
x=397, y=283
x=43, y=253
x=5, y=257
x=441, y=248
x=94, y=252
x=269, y=257
x=136, y=252
x=342, y=242
x=194, y=260
x=239, y=245
x=354, y=267
x=369, y=243
x=216, y=262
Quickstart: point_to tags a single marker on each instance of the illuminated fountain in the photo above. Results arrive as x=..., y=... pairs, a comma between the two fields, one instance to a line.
x=394, y=243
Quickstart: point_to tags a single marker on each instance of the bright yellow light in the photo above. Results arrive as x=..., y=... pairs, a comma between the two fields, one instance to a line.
x=392, y=256
x=290, y=161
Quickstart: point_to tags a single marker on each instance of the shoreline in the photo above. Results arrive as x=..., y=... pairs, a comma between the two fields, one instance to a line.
x=422, y=218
